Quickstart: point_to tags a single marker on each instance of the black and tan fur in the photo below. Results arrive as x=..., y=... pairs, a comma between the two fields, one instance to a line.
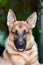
x=29, y=56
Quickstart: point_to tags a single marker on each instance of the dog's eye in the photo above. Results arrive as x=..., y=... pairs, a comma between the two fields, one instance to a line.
x=25, y=32
x=15, y=32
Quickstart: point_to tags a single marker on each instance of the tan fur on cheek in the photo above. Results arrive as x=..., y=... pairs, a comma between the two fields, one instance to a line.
x=11, y=36
x=30, y=41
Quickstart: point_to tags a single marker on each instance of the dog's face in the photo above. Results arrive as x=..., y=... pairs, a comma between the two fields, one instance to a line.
x=20, y=32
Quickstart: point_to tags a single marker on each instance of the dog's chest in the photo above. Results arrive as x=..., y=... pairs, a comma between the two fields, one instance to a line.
x=18, y=60
x=24, y=58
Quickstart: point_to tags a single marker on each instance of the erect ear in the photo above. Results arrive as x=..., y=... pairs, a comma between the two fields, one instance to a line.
x=10, y=17
x=31, y=20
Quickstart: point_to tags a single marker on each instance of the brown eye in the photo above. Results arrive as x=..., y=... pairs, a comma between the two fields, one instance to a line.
x=25, y=32
x=15, y=32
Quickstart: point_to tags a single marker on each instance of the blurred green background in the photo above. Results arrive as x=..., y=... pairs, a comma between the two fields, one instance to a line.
x=22, y=9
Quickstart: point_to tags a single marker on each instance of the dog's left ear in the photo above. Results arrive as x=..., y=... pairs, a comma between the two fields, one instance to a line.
x=31, y=20
x=10, y=17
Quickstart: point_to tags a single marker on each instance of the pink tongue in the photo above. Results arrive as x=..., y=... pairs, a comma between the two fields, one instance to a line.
x=20, y=49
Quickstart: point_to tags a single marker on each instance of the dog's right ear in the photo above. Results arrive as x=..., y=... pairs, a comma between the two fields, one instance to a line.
x=11, y=18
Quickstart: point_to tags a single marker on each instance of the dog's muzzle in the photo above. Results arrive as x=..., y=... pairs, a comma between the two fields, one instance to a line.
x=20, y=45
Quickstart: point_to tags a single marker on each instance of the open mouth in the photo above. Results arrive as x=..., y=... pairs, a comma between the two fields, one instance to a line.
x=20, y=49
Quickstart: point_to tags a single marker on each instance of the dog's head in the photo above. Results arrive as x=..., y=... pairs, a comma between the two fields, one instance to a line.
x=20, y=32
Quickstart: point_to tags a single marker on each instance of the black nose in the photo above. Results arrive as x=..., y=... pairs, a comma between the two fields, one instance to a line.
x=20, y=44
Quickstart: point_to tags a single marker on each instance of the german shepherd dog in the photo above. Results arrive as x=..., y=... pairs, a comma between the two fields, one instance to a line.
x=20, y=47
